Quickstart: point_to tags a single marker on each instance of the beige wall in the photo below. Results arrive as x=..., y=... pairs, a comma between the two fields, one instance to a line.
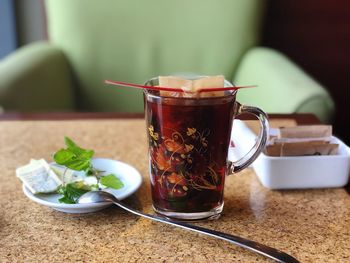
x=30, y=18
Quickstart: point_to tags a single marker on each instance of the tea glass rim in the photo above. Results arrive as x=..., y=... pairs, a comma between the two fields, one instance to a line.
x=227, y=83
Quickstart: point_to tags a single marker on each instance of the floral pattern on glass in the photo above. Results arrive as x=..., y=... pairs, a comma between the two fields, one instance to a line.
x=181, y=163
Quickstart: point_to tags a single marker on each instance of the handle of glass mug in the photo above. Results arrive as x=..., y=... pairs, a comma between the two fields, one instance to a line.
x=246, y=160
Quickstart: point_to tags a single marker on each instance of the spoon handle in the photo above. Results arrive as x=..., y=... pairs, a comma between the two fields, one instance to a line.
x=266, y=251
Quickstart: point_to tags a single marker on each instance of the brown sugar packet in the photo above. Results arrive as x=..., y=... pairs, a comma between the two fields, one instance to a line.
x=302, y=149
x=209, y=82
x=174, y=82
x=254, y=125
x=306, y=131
x=191, y=88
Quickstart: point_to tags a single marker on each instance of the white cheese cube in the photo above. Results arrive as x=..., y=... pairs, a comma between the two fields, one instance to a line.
x=38, y=177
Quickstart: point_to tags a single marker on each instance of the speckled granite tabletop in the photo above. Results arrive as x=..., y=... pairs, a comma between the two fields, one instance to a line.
x=312, y=225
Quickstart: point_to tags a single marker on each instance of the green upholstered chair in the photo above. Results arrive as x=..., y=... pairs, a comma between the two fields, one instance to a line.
x=93, y=40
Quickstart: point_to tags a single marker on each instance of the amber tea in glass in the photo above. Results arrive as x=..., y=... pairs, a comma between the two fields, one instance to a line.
x=188, y=147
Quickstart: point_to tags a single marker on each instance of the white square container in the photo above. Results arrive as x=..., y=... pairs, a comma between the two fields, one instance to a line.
x=295, y=172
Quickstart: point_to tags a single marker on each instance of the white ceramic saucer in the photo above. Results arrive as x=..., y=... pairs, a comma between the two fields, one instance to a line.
x=130, y=177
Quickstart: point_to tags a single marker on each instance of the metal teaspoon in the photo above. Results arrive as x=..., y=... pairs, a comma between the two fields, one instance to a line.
x=275, y=254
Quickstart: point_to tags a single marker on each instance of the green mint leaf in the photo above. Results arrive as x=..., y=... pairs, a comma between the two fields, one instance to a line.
x=66, y=200
x=71, y=192
x=74, y=148
x=69, y=142
x=90, y=172
x=111, y=181
x=62, y=156
x=74, y=157
x=78, y=164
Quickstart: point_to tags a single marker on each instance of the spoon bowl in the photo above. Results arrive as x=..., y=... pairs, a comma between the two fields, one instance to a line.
x=97, y=197
x=275, y=254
